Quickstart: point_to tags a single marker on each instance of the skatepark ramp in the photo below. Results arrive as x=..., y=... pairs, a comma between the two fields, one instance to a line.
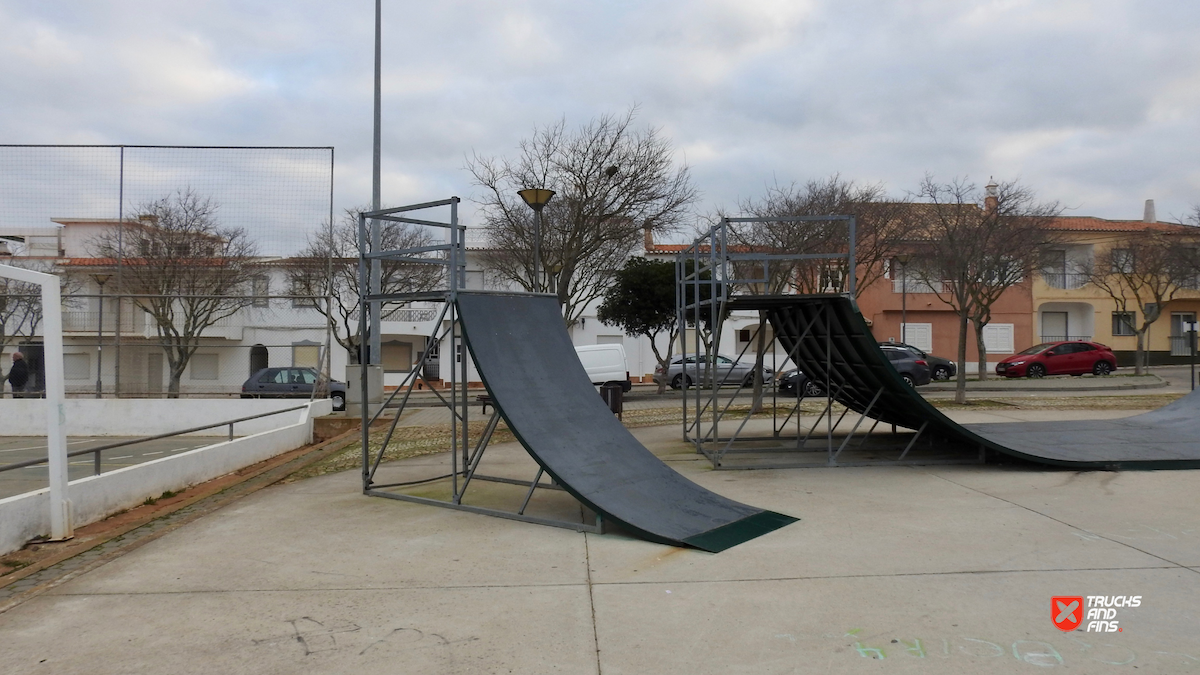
x=828, y=339
x=529, y=366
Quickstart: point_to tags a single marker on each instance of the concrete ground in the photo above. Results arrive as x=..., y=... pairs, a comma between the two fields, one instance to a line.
x=891, y=569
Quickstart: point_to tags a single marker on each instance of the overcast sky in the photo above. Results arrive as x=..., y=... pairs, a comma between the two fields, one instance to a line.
x=1094, y=103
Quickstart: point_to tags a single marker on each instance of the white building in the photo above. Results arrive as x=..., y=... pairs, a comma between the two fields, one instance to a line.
x=271, y=331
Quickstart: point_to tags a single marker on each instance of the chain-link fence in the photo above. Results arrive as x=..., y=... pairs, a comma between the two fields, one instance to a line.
x=178, y=264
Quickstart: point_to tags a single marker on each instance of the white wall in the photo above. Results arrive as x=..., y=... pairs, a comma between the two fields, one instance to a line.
x=145, y=416
x=26, y=516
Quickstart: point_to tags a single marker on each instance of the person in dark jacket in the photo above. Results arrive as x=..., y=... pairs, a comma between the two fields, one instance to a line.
x=18, y=375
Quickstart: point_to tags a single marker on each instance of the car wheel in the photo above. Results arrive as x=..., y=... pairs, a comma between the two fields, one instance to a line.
x=749, y=380
x=908, y=379
x=681, y=381
x=1035, y=371
x=339, y=401
x=1102, y=368
x=813, y=389
x=941, y=373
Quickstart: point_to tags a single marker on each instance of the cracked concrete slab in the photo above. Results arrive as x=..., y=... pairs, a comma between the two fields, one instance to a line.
x=891, y=569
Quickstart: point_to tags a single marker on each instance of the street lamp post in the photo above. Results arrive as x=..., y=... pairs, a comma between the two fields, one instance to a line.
x=101, y=279
x=903, y=260
x=536, y=199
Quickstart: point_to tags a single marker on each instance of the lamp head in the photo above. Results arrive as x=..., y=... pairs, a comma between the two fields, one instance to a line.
x=536, y=198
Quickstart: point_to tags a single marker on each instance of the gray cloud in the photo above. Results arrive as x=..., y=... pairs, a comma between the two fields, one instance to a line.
x=1093, y=103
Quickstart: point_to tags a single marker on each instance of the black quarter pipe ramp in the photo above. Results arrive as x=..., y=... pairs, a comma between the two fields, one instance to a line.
x=830, y=341
x=528, y=364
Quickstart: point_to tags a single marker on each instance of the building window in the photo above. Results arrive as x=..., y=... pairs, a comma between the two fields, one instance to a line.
x=396, y=356
x=998, y=338
x=305, y=302
x=1122, y=260
x=919, y=335
x=77, y=366
x=306, y=354
x=1122, y=323
x=261, y=290
x=205, y=366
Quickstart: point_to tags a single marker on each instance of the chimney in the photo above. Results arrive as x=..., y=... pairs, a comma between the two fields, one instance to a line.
x=990, y=201
x=649, y=236
x=1148, y=215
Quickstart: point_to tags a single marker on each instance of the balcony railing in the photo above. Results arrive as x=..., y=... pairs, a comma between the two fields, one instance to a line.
x=913, y=286
x=406, y=314
x=83, y=321
x=1066, y=338
x=410, y=315
x=1180, y=345
x=1064, y=280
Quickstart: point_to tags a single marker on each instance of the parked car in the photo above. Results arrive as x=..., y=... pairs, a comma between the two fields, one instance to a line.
x=728, y=371
x=940, y=369
x=1074, y=357
x=914, y=371
x=605, y=364
x=292, y=382
x=792, y=382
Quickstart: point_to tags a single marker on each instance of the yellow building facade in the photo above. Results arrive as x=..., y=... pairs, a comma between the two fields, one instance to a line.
x=1067, y=305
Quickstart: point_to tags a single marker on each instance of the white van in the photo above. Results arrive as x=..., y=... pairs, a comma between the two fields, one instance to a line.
x=605, y=363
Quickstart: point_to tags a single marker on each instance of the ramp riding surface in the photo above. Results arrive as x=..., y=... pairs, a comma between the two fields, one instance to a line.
x=829, y=340
x=530, y=368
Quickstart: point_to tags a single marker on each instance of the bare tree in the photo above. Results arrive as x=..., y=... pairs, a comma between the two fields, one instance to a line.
x=613, y=183
x=881, y=225
x=327, y=267
x=974, y=247
x=20, y=303
x=1142, y=272
x=1193, y=216
x=184, y=269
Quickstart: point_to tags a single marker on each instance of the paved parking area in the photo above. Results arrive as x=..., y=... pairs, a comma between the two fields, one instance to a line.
x=14, y=449
x=891, y=569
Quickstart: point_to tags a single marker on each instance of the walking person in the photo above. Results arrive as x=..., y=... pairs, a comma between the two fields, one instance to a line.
x=18, y=375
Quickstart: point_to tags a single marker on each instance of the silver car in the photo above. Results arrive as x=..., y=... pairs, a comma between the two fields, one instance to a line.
x=728, y=371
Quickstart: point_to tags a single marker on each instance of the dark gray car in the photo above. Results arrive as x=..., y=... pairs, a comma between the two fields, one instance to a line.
x=913, y=370
x=293, y=382
x=939, y=368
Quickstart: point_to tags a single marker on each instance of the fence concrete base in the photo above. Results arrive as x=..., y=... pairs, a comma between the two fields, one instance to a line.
x=27, y=516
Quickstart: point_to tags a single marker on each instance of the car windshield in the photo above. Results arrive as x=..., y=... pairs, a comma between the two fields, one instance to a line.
x=1036, y=348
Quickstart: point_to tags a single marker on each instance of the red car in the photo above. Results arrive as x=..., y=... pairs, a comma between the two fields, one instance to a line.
x=1059, y=358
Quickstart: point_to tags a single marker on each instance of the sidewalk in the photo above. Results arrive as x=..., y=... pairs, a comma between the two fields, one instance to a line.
x=891, y=569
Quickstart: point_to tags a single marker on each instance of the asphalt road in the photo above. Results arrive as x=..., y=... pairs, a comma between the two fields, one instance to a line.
x=15, y=449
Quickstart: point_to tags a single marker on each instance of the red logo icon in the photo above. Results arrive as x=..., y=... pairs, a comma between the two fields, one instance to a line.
x=1066, y=611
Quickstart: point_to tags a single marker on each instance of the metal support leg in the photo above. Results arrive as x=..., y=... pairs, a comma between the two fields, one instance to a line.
x=861, y=417
x=528, y=495
x=913, y=441
x=472, y=461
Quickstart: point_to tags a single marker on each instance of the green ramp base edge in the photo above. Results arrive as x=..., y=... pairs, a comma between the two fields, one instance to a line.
x=737, y=532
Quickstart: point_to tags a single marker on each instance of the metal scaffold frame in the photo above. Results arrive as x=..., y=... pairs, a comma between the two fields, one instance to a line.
x=465, y=458
x=705, y=273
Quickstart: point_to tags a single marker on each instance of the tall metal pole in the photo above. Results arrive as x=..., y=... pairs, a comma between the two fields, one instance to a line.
x=100, y=339
x=329, y=282
x=373, y=348
x=537, y=251
x=120, y=278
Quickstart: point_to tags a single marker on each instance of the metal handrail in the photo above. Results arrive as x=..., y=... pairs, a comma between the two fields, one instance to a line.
x=112, y=446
